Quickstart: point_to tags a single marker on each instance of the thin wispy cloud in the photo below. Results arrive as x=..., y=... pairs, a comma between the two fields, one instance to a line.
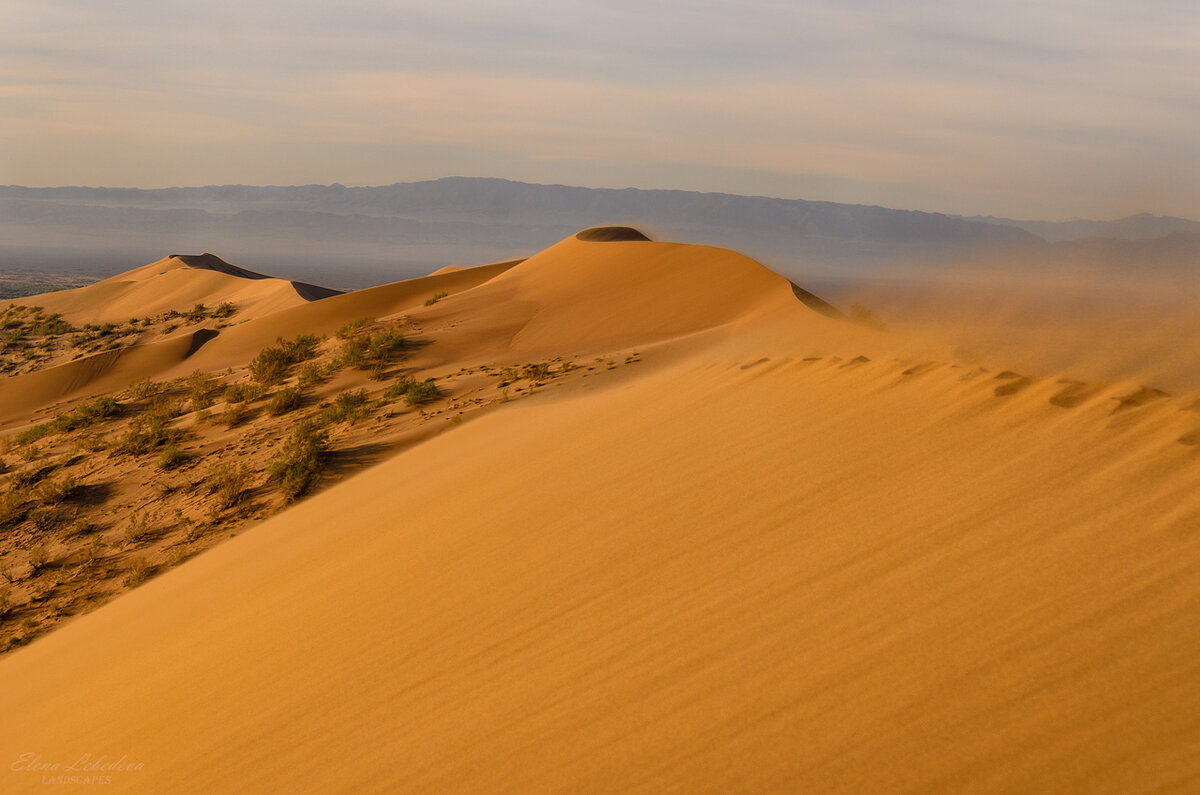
x=1027, y=109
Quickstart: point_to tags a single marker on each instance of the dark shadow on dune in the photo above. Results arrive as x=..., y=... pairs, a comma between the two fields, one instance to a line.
x=611, y=234
x=211, y=262
x=815, y=303
x=199, y=337
x=92, y=494
x=351, y=459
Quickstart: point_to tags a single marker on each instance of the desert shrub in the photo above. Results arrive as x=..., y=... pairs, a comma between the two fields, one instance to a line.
x=398, y=387
x=13, y=506
x=91, y=443
x=301, y=460
x=140, y=528
x=244, y=392
x=22, y=478
x=172, y=456
x=234, y=414
x=536, y=373
x=422, y=392
x=228, y=484
x=353, y=327
x=272, y=364
x=53, y=492
x=35, y=433
x=370, y=352
x=75, y=529
x=224, y=309
x=39, y=557
x=138, y=572
x=197, y=313
x=202, y=388
x=147, y=433
x=82, y=416
x=350, y=406
x=102, y=408
x=46, y=518
x=436, y=297
x=312, y=374
x=301, y=348
x=285, y=400
x=140, y=390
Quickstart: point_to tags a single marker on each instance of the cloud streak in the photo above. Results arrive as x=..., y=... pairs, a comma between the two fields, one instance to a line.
x=1033, y=110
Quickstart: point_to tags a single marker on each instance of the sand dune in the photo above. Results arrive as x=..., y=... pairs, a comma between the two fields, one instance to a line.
x=211, y=349
x=178, y=282
x=785, y=554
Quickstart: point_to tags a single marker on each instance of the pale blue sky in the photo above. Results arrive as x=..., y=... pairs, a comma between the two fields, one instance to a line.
x=1035, y=110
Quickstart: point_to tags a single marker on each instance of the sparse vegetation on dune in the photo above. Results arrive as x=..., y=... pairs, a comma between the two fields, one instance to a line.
x=199, y=448
x=272, y=365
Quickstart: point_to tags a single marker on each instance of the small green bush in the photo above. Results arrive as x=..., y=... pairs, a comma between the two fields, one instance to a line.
x=353, y=327
x=228, y=483
x=422, y=392
x=312, y=374
x=350, y=406
x=146, y=434
x=243, y=393
x=202, y=388
x=301, y=460
x=536, y=373
x=234, y=414
x=400, y=386
x=35, y=433
x=285, y=400
x=13, y=506
x=53, y=492
x=140, y=390
x=39, y=557
x=272, y=364
x=436, y=297
x=138, y=572
x=172, y=456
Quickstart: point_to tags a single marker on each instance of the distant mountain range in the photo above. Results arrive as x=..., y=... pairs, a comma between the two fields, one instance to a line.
x=356, y=236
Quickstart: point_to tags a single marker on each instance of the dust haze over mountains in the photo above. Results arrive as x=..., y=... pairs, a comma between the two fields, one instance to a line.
x=359, y=236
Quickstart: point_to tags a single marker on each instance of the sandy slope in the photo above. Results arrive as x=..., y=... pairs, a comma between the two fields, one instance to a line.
x=179, y=282
x=766, y=562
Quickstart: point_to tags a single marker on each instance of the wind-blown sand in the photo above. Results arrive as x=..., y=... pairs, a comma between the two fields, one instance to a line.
x=782, y=555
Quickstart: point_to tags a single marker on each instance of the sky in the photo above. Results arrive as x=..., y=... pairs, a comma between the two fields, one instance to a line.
x=1038, y=110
